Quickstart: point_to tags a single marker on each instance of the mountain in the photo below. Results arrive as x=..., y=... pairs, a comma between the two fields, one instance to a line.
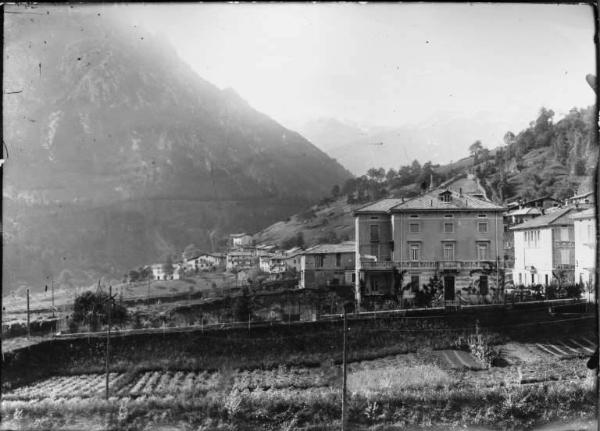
x=119, y=152
x=438, y=139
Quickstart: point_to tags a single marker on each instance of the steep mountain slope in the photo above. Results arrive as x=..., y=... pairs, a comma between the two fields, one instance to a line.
x=119, y=152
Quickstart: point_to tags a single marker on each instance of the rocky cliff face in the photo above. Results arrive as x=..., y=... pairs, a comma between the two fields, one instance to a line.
x=119, y=152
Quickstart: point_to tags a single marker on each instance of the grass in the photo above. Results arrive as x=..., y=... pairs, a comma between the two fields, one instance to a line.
x=392, y=380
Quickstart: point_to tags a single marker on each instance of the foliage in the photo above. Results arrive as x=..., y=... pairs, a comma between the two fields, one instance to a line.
x=424, y=297
x=92, y=308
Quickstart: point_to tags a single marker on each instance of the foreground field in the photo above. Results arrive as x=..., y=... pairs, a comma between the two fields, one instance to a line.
x=405, y=391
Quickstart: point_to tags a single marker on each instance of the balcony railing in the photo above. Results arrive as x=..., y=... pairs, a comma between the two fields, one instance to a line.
x=427, y=264
x=328, y=267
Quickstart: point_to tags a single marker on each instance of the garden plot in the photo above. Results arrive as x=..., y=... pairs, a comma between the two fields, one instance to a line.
x=81, y=386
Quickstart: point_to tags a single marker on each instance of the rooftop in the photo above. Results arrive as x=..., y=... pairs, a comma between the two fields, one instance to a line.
x=524, y=211
x=343, y=247
x=589, y=213
x=552, y=219
x=238, y=235
x=432, y=201
x=384, y=205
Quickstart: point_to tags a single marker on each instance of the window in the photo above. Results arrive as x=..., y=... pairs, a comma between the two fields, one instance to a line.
x=448, y=216
x=483, y=285
x=414, y=216
x=448, y=227
x=414, y=283
x=415, y=251
x=482, y=251
x=482, y=215
x=446, y=196
x=564, y=256
x=374, y=232
x=413, y=227
x=564, y=234
x=319, y=261
x=482, y=227
x=546, y=279
x=374, y=218
x=520, y=278
x=338, y=259
x=448, y=251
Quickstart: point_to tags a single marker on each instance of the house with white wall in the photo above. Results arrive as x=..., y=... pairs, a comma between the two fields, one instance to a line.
x=584, y=226
x=545, y=249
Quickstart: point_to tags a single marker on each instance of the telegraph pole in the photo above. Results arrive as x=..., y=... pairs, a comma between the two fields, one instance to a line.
x=108, y=337
x=52, y=284
x=28, y=328
x=344, y=356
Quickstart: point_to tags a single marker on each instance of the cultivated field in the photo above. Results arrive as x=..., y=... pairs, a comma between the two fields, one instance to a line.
x=538, y=384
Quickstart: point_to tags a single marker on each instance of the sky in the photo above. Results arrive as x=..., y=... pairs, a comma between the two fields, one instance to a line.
x=388, y=65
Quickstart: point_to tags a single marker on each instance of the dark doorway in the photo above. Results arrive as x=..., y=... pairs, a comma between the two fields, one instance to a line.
x=449, y=288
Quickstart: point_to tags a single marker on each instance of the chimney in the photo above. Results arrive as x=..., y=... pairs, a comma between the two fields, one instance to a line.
x=431, y=181
x=431, y=203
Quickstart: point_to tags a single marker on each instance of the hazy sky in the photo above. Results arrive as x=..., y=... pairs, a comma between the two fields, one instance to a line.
x=388, y=64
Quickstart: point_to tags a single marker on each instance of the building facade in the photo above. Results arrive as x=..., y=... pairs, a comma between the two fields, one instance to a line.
x=545, y=249
x=584, y=229
x=403, y=245
x=239, y=240
x=327, y=264
x=241, y=260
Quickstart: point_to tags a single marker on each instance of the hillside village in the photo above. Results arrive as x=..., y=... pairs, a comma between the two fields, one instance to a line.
x=448, y=245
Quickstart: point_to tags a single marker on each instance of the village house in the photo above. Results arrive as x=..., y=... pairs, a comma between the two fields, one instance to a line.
x=237, y=240
x=584, y=228
x=240, y=260
x=403, y=244
x=293, y=258
x=159, y=271
x=272, y=263
x=327, y=264
x=545, y=249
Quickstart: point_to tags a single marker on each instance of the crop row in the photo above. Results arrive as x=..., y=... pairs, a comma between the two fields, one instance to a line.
x=162, y=383
x=85, y=385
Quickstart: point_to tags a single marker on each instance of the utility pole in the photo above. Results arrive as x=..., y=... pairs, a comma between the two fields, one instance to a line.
x=108, y=336
x=344, y=355
x=52, y=284
x=28, y=328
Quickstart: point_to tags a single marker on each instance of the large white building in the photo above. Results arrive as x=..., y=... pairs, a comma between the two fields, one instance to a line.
x=545, y=249
x=585, y=246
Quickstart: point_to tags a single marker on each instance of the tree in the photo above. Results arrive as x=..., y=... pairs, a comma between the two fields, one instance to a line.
x=376, y=174
x=335, y=191
x=92, y=308
x=475, y=148
x=133, y=276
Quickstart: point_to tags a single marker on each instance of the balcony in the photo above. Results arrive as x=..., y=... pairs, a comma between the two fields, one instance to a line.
x=427, y=264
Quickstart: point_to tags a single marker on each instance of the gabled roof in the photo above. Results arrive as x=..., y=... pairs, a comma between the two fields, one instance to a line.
x=524, y=211
x=555, y=218
x=381, y=206
x=343, y=247
x=589, y=213
x=431, y=201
